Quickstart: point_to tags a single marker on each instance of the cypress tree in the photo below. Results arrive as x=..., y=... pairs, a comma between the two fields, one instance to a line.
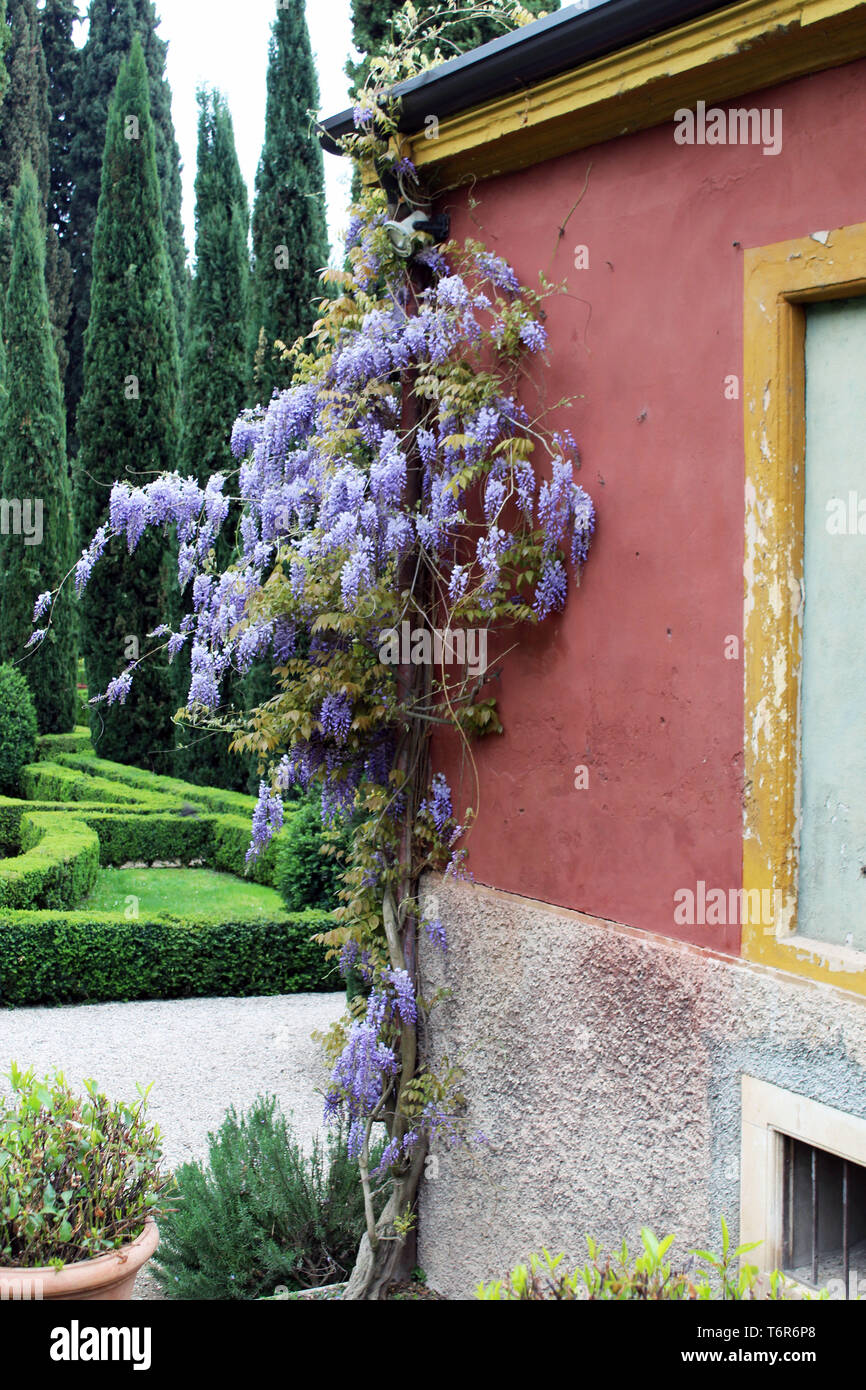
x=57, y=21
x=214, y=374
x=5, y=37
x=4, y=43
x=290, y=239
x=113, y=23
x=372, y=22
x=128, y=422
x=26, y=116
x=35, y=477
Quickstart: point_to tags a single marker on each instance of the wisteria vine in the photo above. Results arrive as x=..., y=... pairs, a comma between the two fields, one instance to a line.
x=402, y=479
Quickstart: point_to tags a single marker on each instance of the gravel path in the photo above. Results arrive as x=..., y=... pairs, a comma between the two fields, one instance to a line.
x=203, y=1055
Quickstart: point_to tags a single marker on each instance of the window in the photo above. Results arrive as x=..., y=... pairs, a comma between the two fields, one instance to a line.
x=823, y=1216
x=818, y=928
x=803, y=1189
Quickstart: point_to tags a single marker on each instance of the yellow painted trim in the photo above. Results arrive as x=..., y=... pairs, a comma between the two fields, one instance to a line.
x=779, y=281
x=748, y=47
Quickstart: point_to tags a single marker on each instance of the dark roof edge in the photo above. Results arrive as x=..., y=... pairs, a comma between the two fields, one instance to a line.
x=564, y=40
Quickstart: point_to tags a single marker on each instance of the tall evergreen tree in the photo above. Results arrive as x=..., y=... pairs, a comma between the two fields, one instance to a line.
x=128, y=422
x=372, y=22
x=26, y=116
x=5, y=240
x=214, y=376
x=214, y=371
x=290, y=238
x=57, y=21
x=35, y=477
x=113, y=23
x=4, y=43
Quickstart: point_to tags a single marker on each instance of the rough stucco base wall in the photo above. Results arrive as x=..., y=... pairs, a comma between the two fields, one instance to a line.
x=603, y=1065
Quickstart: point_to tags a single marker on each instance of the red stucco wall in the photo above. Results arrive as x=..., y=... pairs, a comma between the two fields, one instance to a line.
x=632, y=680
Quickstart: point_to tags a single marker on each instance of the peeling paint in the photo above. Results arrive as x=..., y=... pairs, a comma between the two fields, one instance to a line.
x=774, y=372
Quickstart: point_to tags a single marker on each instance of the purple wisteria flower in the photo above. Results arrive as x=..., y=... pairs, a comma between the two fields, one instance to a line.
x=363, y=1072
x=551, y=591
x=246, y=432
x=117, y=691
x=335, y=717
x=89, y=557
x=533, y=335
x=267, y=820
x=43, y=603
x=498, y=271
x=583, y=523
x=436, y=932
x=405, y=992
x=439, y=804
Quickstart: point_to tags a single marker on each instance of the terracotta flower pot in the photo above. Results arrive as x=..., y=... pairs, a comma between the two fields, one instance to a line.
x=105, y=1277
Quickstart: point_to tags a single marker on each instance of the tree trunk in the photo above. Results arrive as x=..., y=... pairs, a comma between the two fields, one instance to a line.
x=392, y=1259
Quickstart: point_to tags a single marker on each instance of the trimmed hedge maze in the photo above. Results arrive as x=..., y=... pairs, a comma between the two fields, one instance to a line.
x=79, y=813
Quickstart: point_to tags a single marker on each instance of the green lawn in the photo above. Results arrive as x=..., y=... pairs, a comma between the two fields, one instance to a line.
x=182, y=891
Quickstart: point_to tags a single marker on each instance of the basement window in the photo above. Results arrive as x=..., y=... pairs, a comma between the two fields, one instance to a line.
x=824, y=1216
x=803, y=1189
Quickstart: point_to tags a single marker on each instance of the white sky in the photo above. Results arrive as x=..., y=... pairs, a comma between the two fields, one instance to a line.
x=207, y=44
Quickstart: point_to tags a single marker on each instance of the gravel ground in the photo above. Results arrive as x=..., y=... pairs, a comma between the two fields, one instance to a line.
x=203, y=1055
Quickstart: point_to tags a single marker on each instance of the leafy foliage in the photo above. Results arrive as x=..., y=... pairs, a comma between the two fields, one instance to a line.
x=79, y=1175
x=18, y=727
x=261, y=1214
x=469, y=26
x=307, y=871
x=646, y=1277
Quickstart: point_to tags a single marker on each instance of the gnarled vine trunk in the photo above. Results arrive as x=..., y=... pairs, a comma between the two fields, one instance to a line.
x=392, y=1259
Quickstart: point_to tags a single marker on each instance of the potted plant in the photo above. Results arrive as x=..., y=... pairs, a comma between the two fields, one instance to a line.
x=80, y=1185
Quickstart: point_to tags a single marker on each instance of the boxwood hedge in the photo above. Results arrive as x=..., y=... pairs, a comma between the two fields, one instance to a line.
x=57, y=867
x=98, y=957
x=82, y=812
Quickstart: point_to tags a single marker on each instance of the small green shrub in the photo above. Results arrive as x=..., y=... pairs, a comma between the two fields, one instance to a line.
x=78, y=1174
x=18, y=727
x=262, y=1213
x=303, y=875
x=648, y=1277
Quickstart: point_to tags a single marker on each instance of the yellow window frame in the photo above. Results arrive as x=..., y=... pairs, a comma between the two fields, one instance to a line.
x=780, y=281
